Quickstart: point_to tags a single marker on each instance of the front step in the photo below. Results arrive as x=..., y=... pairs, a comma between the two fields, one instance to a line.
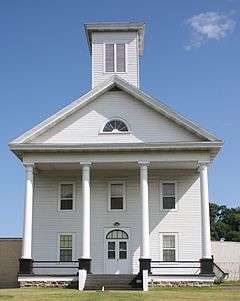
x=110, y=282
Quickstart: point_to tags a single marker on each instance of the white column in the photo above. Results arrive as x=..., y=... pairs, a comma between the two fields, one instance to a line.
x=86, y=210
x=145, y=210
x=27, y=223
x=206, y=237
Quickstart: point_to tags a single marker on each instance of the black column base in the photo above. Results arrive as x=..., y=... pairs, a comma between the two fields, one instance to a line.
x=25, y=266
x=85, y=264
x=145, y=264
x=206, y=266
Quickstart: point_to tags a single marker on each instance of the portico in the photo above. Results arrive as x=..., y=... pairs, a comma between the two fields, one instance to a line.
x=85, y=169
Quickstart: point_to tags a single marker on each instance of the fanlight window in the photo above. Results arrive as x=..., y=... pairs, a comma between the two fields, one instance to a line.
x=117, y=234
x=115, y=126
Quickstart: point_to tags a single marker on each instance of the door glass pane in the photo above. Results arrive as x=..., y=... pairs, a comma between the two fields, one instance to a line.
x=122, y=254
x=111, y=246
x=111, y=250
x=122, y=245
x=111, y=254
x=122, y=250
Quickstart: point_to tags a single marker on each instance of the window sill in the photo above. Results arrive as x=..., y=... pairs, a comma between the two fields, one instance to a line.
x=115, y=133
x=117, y=210
x=169, y=210
x=112, y=72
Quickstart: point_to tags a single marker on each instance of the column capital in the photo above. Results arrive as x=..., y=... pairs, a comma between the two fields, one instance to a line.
x=202, y=165
x=143, y=163
x=28, y=165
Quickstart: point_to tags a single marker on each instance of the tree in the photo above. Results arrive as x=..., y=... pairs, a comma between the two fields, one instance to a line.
x=225, y=222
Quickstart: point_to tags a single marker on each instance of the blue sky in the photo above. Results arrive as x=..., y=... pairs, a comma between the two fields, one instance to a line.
x=191, y=62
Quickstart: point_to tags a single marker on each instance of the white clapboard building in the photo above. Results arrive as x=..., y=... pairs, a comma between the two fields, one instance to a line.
x=116, y=181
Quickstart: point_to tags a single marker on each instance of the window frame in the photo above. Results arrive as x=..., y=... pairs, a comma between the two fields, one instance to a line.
x=175, y=194
x=115, y=133
x=73, y=245
x=175, y=234
x=73, y=198
x=124, y=195
x=115, y=57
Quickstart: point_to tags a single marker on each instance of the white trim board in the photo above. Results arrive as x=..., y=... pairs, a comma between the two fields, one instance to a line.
x=178, y=278
x=46, y=278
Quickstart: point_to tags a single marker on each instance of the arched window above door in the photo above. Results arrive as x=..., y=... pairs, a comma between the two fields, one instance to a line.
x=117, y=234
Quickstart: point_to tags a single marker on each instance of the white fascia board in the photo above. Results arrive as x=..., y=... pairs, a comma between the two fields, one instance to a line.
x=117, y=146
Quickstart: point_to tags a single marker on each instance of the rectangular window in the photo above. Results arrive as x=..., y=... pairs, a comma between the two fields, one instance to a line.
x=116, y=196
x=169, y=195
x=120, y=48
x=66, y=247
x=115, y=57
x=66, y=196
x=169, y=247
x=109, y=57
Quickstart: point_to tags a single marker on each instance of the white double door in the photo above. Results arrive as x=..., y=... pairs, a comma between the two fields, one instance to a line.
x=117, y=256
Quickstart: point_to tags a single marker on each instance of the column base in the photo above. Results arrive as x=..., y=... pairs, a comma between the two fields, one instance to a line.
x=25, y=266
x=85, y=264
x=145, y=264
x=206, y=266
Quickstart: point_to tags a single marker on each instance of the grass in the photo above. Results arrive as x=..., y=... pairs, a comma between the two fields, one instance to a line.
x=216, y=293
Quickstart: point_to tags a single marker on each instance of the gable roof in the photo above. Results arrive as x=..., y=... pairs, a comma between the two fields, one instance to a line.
x=110, y=83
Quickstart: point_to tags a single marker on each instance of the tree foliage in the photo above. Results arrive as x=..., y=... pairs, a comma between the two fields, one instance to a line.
x=225, y=222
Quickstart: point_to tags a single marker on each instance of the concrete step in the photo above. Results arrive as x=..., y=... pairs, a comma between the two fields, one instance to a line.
x=109, y=282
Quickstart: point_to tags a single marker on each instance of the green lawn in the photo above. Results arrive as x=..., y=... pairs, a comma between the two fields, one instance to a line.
x=164, y=294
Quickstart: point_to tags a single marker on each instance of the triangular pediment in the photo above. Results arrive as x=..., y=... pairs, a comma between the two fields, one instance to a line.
x=151, y=121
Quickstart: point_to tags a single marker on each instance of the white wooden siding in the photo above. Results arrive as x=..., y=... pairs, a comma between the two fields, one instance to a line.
x=146, y=125
x=48, y=222
x=132, y=71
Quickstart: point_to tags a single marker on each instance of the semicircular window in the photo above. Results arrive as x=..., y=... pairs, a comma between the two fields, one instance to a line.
x=117, y=234
x=115, y=126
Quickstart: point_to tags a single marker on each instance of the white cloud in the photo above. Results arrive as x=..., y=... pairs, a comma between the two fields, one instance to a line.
x=209, y=25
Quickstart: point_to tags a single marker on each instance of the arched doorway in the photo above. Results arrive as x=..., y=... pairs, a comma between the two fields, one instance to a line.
x=116, y=252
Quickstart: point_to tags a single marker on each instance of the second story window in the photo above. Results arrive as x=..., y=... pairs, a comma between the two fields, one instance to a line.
x=66, y=196
x=116, y=196
x=168, y=190
x=115, y=57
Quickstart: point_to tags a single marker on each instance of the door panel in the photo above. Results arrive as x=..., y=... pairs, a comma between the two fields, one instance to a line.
x=116, y=256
